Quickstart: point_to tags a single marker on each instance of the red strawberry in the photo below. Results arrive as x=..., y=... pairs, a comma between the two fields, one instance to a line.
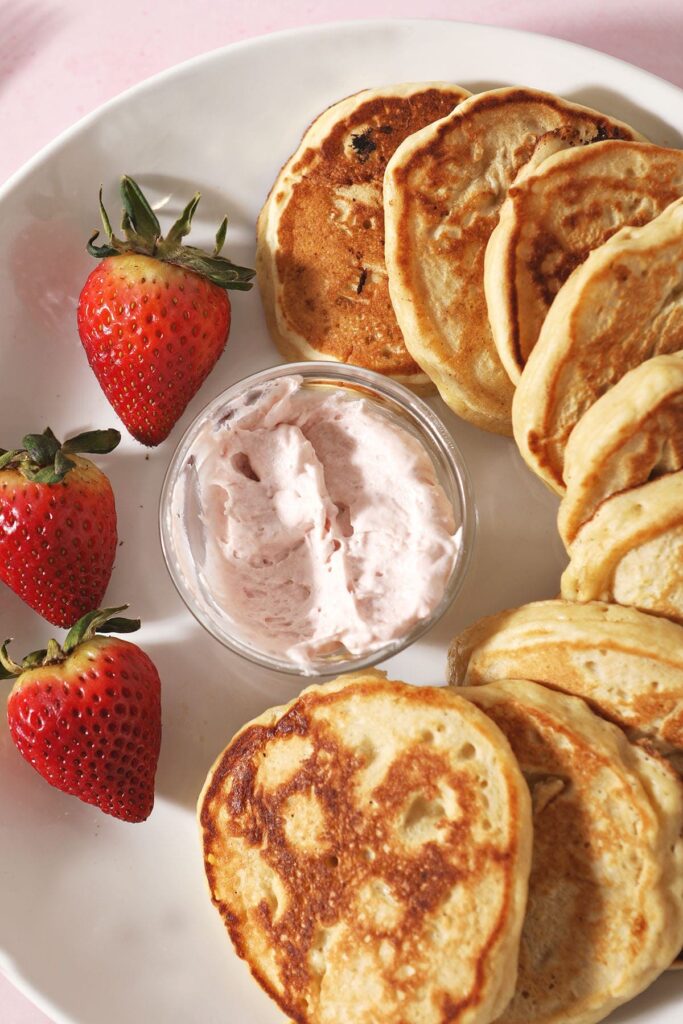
x=57, y=524
x=88, y=716
x=154, y=316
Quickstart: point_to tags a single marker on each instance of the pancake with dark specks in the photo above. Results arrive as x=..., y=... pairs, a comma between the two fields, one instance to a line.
x=443, y=191
x=320, y=252
x=605, y=909
x=368, y=848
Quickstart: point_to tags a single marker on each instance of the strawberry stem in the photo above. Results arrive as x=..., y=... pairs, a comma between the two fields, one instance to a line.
x=42, y=448
x=142, y=233
x=44, y=459
x=8, y=668
x=52, y=655
x=140, y=215
x=105, y=218
x=119, y=625
x=102, y=620
x=183, y=225
x=11, y=456
x=220, y=237
x=50, y=474
x=93, y=442
x=34, y=659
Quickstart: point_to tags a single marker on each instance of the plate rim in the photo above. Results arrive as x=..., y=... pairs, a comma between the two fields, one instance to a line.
x=326, y=27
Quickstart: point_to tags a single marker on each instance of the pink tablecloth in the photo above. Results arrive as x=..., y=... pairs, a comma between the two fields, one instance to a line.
x=60, y=59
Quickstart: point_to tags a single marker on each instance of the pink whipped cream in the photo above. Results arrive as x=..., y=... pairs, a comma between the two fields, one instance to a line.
x=324, y=522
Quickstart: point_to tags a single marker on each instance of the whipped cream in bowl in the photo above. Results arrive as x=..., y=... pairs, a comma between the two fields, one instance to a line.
x=317, y=518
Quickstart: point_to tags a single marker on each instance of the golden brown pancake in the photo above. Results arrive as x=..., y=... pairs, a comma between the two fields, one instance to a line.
x=626, y=664
x=368, y=847
x=605, y=909
x=631, y=551
x=619, y=308
x=320, y=252
x=552, y=219
x=633, y=433
x=443, y=190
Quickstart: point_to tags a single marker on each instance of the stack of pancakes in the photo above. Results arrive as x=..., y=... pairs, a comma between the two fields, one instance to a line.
x=445, y=191
x=372, y=241
x=523, y=253
x=509, y=847
x=383, y=853
x=625, y=666
x=621, y=516
x=584, y=284
x=598, y=413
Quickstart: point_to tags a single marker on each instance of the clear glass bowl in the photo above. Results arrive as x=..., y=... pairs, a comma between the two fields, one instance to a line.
x=183, y=550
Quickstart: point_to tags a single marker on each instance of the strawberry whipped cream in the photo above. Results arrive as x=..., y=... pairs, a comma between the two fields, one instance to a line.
x=325, y=526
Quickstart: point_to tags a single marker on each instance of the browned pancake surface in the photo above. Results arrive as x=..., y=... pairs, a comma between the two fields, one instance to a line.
x=575, y=210
x=617, y=310
x=443, y=195
x=605, y=910
x=364, y=874
x=330, y=257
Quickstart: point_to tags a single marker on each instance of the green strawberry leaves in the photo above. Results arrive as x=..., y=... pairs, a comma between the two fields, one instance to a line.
x=142, y=233
x=53, y=474
x=220, y=236
x=41, y=448
x=7, y=457
x=183, y=225
x=141, y=219
x=8, y=668
x=93, y=442
x=102, y=620
x=45, y=460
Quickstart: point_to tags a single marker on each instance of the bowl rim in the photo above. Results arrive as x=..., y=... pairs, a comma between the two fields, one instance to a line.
x=430, y=426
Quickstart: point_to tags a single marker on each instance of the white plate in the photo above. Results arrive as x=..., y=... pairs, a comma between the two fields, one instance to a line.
x=102, y=922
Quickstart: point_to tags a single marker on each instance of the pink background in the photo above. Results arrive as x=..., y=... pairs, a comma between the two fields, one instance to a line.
x=60, y=59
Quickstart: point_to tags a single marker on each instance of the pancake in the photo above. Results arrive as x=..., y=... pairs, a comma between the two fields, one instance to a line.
x=631, y=551
x=443, y=190
x=619, y=308
x=632, y=434
x=320, y=245
x=548, y=145
x=368, y=848
x=605, y=909
x=552, y=219
x=626, y=664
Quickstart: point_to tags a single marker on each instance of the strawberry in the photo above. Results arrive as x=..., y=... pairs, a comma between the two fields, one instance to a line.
x=87, y=715
x=57, y=523
x=154, y=316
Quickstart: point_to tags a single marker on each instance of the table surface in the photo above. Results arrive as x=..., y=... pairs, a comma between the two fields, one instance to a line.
x=80, y=54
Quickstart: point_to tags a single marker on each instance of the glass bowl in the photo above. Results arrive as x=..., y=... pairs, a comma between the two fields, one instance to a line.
x=184, y=547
